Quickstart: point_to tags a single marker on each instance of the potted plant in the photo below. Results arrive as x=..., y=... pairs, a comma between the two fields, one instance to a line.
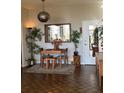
x=75, y=38
x=33, y=35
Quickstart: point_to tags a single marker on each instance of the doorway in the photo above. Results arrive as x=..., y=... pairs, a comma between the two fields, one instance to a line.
x=88, y=28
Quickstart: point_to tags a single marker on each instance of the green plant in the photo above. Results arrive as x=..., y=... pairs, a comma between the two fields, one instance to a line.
x=75, y=38
x=33, y=35
x=101, y=34
x=95, y=34
x=98, y=34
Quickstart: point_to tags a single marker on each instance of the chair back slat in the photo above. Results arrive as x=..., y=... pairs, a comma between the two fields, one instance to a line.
x=51, y=52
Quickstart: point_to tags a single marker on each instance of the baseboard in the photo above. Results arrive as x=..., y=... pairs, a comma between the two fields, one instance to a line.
x=89, y=64
x=23, y=66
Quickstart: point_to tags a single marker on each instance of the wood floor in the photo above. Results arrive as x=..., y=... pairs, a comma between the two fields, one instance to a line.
x=84, y=80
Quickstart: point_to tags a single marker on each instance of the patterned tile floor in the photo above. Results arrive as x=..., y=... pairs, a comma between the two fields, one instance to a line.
x=83, y=80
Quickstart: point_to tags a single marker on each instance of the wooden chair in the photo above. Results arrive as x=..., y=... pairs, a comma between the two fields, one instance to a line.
x=64, y=55
x=41, y=58
x=43, y=61
x=48, y=59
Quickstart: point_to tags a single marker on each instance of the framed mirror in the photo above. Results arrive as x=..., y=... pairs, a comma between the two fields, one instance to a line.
x=58, y=31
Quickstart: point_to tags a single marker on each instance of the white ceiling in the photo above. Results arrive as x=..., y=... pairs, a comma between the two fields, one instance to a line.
x=37, y=3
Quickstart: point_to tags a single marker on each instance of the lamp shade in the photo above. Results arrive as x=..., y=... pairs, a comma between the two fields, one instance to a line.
x=43, y=16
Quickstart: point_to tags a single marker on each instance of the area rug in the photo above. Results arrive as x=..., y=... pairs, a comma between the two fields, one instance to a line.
x=65, y=69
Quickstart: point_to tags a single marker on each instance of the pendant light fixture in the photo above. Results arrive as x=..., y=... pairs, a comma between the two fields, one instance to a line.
x=43, y=16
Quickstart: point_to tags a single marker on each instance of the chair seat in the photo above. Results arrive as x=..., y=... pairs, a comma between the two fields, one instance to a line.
x=51, y=58
x=47, y=56
x=61, y=55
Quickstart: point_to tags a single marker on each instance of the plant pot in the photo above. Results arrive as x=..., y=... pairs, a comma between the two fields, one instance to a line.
x=32, y=63
x=75, y=53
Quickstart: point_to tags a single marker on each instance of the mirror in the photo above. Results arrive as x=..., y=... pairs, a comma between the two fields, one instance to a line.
x=57, y=31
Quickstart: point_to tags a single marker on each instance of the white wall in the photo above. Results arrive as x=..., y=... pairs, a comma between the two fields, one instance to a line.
x=71, y=14
x=24, y=19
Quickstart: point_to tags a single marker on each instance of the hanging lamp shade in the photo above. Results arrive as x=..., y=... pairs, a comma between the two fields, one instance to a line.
x=43, y=16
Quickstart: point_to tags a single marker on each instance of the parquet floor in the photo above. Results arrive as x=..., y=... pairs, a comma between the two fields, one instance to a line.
x=83, y=80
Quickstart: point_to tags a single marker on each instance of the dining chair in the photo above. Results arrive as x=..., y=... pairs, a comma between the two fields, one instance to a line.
x=64, y=55
x=42, y=57
x=48, y=59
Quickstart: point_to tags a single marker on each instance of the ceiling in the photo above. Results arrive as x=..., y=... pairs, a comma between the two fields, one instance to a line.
x=37, y=3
